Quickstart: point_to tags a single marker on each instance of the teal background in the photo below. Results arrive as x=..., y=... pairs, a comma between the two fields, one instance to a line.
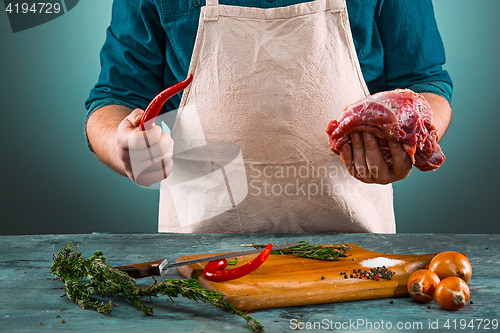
x=50, y=182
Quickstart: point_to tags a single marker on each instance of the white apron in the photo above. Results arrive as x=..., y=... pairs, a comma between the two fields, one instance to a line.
x=251, y=153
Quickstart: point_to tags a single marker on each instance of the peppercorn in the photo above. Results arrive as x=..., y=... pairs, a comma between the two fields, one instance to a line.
x=345, y=276
x=323, y=277
x=350, y=276
x=392, y=302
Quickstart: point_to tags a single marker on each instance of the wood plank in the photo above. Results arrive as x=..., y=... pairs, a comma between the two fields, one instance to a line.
x=28, y=298
x=288, y=280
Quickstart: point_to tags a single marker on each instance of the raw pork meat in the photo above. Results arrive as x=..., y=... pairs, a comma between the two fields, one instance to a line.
x=399, y=114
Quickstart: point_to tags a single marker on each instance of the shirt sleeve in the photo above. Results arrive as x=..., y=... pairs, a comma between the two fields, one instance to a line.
x=132, y=57
x=413, y=48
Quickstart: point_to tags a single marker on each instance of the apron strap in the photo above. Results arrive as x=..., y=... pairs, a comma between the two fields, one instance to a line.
x=335, y=6
x=211, y=10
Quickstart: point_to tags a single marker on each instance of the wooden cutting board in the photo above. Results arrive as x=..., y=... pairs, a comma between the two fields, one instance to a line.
x=288, y=280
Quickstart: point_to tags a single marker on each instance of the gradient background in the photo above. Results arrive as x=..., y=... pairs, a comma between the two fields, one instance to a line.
x=50, y=183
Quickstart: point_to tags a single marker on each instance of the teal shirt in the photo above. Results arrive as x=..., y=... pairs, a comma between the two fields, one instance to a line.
x=149, y=45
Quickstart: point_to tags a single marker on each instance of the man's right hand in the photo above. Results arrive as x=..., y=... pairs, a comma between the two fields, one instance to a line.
x=146, y=156
x=116, y=139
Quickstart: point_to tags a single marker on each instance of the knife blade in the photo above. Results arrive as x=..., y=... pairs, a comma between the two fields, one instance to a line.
x=160, y=267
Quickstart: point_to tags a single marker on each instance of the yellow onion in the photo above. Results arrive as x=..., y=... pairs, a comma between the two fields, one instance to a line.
x=451, y=263
x=452, y=293
x=422, y=285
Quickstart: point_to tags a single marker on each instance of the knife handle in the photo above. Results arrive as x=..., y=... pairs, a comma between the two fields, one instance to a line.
x=141, y=270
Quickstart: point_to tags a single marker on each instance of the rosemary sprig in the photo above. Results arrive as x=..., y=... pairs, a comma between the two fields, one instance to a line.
x=82, y=277
x=332, y=252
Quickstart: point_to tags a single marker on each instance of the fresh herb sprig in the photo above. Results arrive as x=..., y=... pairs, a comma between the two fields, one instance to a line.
x=320, y=252
x=83, y=277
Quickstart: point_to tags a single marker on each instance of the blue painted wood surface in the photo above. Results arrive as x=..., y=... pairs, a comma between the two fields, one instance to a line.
x=28, y=297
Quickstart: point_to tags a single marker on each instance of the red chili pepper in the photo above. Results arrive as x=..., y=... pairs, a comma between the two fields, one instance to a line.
x=214, y=270
x=156, y=104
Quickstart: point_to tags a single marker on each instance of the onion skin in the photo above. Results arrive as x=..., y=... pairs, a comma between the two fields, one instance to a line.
x=451, y=263
x=422, y=285
x=452, y=293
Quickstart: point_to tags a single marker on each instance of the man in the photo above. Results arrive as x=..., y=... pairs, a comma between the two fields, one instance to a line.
x=266, y=81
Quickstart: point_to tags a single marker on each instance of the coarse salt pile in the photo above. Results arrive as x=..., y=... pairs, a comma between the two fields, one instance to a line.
x=380, y=261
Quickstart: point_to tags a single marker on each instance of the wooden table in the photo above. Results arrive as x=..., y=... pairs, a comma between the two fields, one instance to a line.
x=28, y=297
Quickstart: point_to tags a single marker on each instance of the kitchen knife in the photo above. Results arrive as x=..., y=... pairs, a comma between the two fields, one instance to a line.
x=160, y=267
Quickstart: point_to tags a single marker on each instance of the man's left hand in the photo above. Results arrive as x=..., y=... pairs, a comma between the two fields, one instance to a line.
x=365, y=162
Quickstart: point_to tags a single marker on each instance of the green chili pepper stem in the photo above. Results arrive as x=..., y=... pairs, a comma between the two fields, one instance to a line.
x=233, y=262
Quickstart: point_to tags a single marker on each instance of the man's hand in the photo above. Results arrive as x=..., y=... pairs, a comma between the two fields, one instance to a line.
x=365, y=162
x=364, y=159
x=118, y=142
x=146, y=156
